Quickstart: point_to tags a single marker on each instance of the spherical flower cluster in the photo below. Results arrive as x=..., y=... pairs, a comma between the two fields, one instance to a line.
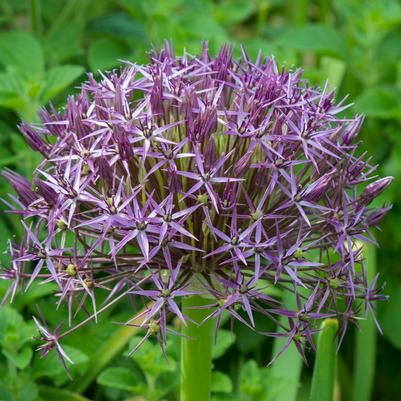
x=199, y=175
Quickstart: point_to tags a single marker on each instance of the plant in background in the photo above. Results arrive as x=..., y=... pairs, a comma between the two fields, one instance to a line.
x=197, y=184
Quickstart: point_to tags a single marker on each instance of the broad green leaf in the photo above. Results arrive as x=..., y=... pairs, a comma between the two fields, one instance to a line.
x=117, y=26
x=20, y=359
x=109, y=348
x=230, y=12
x=167, y=382
x=369, y=21
x=392, y=166
x=314, y=38
x=324, y=370
x=225, y=339
x=132, y=8
x=20, y=93
x=120, y=378
x=251, y=379
x=333, y=70
x=389, y=51
x=22, y=51
x=221, y=383
x=150, y=358
x=47, y=393
x=52, y=367
x=27, y=388
x=12, y=89
x=204, y=27
x=380, y=103
x=390, y=324
x=36, y=290
x=18, y=388
x=58, y=78
x=386, y=14
x=14, y=332
x=104, y=54
x=157, y=8
x=249, y=340
x=64, y=42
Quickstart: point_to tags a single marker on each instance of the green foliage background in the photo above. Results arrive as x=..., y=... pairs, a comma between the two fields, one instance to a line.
x=45, y=48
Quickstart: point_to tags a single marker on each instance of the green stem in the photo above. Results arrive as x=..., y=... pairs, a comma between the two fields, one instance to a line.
x=365, y=341
x=36, y=16
x=112, y=347
x=324, y=371
x=73, y=9
x=301, y=12
x=324, y=11
x=107, y=351
x=196, y=351
x=263, y=11
x=13, y=376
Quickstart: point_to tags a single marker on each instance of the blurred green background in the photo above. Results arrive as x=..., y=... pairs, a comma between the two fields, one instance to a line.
x=45, y=48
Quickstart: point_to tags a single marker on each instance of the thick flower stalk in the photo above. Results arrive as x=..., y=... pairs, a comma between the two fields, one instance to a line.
x=199, y=175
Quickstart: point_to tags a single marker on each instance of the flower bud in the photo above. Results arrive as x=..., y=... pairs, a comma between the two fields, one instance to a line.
x=33, y=138
x=374, y=189
x=21, y=185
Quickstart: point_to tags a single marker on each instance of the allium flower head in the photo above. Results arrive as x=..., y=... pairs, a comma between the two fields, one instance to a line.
x=200, y=175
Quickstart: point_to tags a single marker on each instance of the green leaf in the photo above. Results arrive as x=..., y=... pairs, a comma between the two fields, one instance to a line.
x=225, y=339
x=21, y=359
x=324, y=370
x=392, y=326
x=58, y=78
x=314, y=38
x=249, y=340
x=333, y=70
x=132, y=8
x=231, y=12
x=166, y=383
x=22, y=51
x=379, y=103
x=47, y=393
x=150, y=358
x=111, y=347
x=204, y=27
x=120, y=378
x=156, y=8
x=52, y=367
x=389, y=51
x=18, y=388
x=104, y=54
x=12, y=89
x=64, y=42
x=251, y=379
x=117, y=26
x=36, y=290
x=14, y=332
x=221, y=383
x=20, y=93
